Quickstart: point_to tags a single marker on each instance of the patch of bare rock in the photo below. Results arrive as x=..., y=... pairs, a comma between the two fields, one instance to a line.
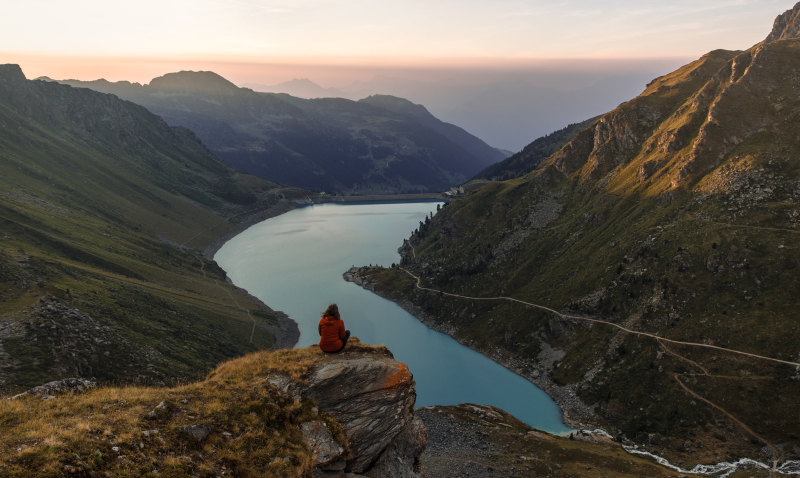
x=372, y=398
x=56, y=387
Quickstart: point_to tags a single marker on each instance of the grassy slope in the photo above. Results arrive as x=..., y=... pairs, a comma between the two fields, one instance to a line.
x=674, y=214
x=526, y=160
x=96, y=195
x=253, y=425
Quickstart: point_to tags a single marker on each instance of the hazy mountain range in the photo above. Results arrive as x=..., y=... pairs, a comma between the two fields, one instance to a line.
x=376, y=145
x=504, y=114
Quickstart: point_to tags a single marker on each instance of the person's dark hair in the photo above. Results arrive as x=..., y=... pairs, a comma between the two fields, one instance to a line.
x=332, y=311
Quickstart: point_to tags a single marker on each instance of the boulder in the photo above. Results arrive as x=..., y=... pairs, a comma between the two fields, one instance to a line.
x=326, y=450
x=161, y=411
x=401, y=457
x=373, y=399
x=68, y=385
x=198, y=432
x=285, y=385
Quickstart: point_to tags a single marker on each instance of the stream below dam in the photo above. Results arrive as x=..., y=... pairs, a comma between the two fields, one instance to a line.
x=294, y=263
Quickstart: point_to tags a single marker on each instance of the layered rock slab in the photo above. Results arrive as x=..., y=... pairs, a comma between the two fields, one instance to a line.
x=373, y=399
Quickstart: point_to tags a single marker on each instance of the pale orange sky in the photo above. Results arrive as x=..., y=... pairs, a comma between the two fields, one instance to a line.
x=331, y=73
x=337, y=41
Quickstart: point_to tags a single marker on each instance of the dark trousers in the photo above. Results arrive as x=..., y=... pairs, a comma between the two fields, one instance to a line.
x=344, y=342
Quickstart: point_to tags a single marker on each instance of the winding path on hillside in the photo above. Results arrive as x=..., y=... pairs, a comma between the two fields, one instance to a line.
x=603, y=322
x=660, y=340
x=216, y=282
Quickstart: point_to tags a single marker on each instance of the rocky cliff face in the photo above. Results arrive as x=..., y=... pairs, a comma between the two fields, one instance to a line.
x=786, y=26
x=372, y=397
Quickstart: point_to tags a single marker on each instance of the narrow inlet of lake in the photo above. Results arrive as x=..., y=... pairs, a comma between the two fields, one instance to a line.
x=295, y=262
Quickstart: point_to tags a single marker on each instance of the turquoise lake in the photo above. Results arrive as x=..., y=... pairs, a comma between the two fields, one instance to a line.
x=294, y=263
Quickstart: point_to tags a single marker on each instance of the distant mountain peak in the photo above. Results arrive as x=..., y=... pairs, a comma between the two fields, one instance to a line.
x=298, y=87
x=300, y=81
x=786, y=26
x=193, y=82
x=11, y=72
x=397, y=104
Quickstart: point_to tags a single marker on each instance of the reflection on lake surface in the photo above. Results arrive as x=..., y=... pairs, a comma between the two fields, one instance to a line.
x=295, y=262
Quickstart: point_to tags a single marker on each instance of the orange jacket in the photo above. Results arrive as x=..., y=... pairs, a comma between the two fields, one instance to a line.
x=331, y=332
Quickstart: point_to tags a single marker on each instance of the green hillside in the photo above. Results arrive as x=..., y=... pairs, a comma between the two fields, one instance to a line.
x=104, y=212
x=677, y=215
x=526, y=160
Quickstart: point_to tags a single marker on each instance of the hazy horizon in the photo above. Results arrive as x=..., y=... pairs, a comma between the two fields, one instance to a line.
x=505, y=103
x=336, y=42
x=561, y=73
x=514, y=50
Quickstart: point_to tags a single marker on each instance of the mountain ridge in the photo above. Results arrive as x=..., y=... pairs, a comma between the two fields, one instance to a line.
x=191, y=82
x=675, y=214
x=448, y=130
x=786, y=26
x=104, y=212
x=298, y=87
x=533, y=154
x=330, y=144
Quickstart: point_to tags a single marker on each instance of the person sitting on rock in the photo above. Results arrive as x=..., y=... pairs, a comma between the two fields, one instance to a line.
x=333, y=336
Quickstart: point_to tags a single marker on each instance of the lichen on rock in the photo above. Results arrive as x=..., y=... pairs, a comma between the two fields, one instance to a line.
x=373, y=399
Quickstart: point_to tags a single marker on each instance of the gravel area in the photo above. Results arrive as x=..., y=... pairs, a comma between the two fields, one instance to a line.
x=457, y=449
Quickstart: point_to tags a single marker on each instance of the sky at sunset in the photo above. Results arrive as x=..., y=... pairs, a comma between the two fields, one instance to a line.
x=358, y=38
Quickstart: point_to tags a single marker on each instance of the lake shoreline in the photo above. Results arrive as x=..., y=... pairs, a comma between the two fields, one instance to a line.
x=283, y=207
x=254, y=254
x=287, y=336
x=275, y=210
x=289, y=333
x=574, y=413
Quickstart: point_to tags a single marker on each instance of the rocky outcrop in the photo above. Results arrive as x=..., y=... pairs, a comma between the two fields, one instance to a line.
x=401, y=457
x=373, y=400
x=786, y=26
x=77, y=345
x=346, y=415
x=355, y=275
x=68, y=385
